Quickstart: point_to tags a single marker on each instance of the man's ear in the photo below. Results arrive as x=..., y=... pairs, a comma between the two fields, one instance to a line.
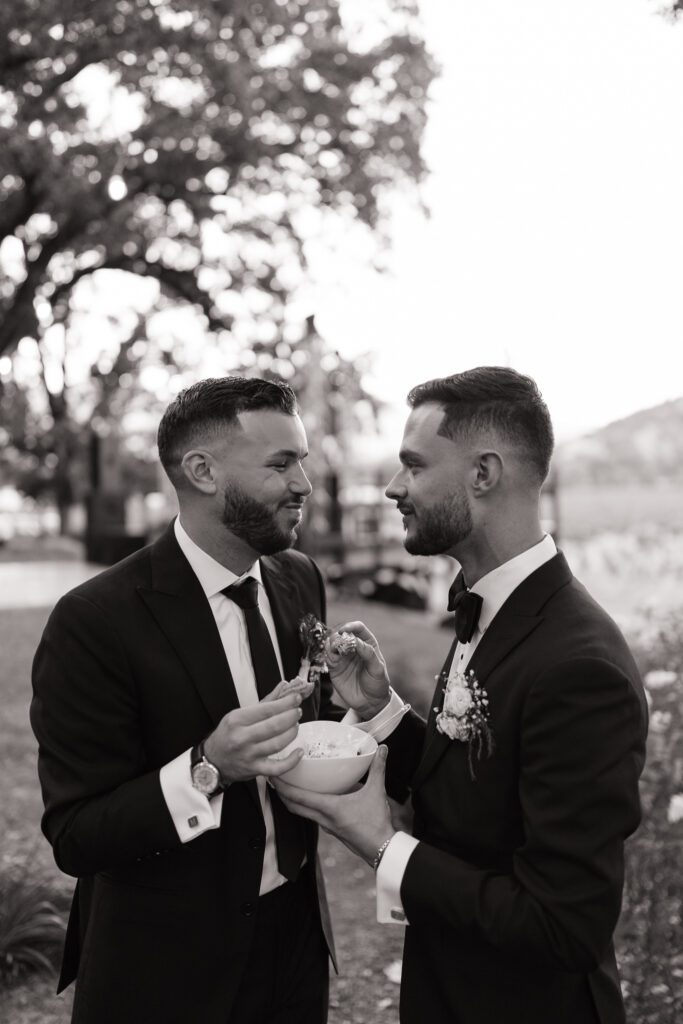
x=486, y=473
x=199, y=469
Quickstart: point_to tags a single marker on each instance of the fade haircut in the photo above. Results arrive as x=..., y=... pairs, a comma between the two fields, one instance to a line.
x=498, y=399
x=207, y=408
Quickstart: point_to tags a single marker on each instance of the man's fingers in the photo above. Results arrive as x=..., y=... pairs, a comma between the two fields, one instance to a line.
x=288, y=686
x=266, y=709
x=276, y=743
x=358, y=629
x=275, y=725
x=378, y=768
x=274, y=766
x=303, y=797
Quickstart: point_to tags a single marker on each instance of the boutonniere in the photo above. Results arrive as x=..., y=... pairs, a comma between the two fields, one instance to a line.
x=318, y=641
x=465, y=715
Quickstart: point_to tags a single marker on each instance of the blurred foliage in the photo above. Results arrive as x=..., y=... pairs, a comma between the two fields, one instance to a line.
x=32, y=923
x=220, y=117
x=649, y=947
x=195, y=144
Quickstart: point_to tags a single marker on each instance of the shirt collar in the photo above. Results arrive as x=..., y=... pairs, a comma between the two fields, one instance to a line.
x=496, y=586
x=213, y=577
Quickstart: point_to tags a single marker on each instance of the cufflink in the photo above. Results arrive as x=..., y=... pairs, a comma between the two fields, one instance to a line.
x=193, y=821
x=396, y=915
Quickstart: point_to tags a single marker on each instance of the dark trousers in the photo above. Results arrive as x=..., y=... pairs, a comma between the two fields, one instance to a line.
x=286, y=980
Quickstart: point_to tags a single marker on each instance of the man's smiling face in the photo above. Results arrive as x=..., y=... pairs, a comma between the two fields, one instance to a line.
x=262, y=481
x=429, y=489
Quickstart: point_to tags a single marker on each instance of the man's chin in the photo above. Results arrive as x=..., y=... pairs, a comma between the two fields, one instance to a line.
x=417, y=545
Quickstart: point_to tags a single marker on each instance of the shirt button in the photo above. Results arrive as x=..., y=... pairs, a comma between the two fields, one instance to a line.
x=247, y=909
x=256, y=843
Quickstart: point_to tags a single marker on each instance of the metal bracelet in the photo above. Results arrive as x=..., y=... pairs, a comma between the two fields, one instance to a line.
x=380, y=853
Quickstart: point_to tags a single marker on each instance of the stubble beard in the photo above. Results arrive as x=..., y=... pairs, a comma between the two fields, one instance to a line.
x=254, y=522
x=441, y=527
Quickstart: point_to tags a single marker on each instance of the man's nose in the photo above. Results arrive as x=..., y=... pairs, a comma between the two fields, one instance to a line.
x=396, y=488
x=300, y=484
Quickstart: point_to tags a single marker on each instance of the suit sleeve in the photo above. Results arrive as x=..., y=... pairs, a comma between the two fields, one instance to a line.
x=405, y=750
x=103, y=807
x=582, y=750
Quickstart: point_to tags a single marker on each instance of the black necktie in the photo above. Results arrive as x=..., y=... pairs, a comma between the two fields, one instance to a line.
x=289, y=829
x=467, y=607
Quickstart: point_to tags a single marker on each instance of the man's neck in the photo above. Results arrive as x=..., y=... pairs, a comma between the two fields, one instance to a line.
x=218, y=542
x=481, y=553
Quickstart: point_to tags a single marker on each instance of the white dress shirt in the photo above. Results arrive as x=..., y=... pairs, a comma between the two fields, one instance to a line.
x=494, y=589
x=192, y=812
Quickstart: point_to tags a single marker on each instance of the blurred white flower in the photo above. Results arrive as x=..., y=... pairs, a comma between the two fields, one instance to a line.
x=675, y=812
x=393, y=971
x=658, y=677
x=660, y=721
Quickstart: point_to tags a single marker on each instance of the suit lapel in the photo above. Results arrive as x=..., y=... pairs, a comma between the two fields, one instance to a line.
x=287, y=606
x=182, y=611
x=517, y=618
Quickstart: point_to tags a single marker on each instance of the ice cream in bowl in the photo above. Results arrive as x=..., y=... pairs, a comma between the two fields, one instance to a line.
x=336, y=757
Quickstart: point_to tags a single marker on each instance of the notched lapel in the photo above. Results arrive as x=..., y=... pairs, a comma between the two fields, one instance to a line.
x=505, y=633
x=189, y=626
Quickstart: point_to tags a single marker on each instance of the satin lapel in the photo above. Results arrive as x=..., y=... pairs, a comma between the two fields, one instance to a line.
x=513, y=623
x=435, y=742
x=502, y=636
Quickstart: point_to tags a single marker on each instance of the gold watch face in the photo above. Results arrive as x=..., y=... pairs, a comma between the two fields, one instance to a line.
x=205, y=777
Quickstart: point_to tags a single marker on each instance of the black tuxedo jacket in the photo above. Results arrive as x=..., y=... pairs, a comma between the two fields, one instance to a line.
x=514, y=890
x=129, y=673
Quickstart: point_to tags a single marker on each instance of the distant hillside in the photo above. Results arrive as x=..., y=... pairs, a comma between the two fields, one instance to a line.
x=644, y=448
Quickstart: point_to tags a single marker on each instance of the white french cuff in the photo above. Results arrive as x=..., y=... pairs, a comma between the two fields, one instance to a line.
x=384, y=723
x=389, y=877
x=192, y=812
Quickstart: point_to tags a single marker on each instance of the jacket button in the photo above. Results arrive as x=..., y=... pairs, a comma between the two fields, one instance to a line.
x=247, y=909
x=256, y=843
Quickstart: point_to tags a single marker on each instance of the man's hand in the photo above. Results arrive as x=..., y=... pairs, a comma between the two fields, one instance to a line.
x=361, y=820
x=360, y=677
x=244, y=739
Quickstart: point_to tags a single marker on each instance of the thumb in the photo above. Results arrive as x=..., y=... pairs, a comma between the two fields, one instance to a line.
x=378, y=767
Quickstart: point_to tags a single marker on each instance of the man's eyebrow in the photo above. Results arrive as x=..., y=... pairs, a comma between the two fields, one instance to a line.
x=406, y=455
x=287, y=453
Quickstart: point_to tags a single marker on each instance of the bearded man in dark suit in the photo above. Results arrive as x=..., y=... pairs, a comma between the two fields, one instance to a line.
x=198, y=897
x=524, y=780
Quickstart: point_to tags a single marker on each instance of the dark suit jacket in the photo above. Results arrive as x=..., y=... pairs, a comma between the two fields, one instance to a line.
x=514, y=890
x=130, y=672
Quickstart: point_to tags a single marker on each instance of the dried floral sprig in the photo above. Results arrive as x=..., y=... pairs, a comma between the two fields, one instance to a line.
x=313, y=635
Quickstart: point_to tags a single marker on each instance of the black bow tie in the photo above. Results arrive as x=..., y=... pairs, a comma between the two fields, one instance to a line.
x=467, y=608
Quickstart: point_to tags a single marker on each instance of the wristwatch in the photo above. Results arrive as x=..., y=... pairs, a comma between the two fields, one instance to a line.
x=205, y=776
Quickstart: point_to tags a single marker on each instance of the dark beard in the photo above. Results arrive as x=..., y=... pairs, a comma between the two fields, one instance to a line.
x=253, y=522
x=441, y=527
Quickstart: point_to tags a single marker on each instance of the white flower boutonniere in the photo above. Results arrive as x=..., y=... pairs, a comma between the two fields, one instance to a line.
x=465, y=715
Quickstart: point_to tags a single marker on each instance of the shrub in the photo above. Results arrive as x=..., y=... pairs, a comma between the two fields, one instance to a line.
x=32, y=923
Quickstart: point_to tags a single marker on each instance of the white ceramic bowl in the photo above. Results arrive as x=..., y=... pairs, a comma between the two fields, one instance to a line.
x=330, y=774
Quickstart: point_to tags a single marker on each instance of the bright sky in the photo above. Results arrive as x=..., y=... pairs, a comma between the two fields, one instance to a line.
x=555, y=243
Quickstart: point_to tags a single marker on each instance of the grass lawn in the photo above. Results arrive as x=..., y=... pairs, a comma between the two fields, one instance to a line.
x=652, y=964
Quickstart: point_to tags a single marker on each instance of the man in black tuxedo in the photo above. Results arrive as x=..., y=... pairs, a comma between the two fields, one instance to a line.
x=198, y=897
x=511, y=883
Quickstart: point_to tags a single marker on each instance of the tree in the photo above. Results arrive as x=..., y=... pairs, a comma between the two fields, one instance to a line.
x=227, y=120
x=188, y=142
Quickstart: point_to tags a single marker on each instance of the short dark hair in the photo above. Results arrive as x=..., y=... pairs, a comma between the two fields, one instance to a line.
x=493, y=398
x=212, y=405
